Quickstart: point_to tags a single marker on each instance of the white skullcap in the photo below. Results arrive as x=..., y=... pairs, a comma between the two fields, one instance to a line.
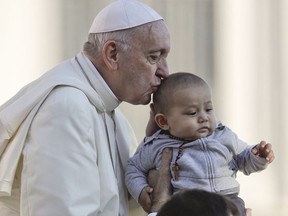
x=123, y=14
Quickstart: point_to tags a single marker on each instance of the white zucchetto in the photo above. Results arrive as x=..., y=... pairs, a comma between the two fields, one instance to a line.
x=123, y=14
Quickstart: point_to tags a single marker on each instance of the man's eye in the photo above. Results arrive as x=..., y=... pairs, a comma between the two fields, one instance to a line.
x=153, y=59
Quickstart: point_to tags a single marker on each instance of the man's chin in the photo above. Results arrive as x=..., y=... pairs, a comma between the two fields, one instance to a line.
x=143, y=101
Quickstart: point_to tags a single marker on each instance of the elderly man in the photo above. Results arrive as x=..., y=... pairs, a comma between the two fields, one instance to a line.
x=63, y=141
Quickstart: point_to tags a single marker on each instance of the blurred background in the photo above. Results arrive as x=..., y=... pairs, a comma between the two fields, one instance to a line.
x=240, y=47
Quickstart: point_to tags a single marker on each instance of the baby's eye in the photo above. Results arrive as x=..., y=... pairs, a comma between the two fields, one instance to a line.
x=209, y=110
x=192, y=113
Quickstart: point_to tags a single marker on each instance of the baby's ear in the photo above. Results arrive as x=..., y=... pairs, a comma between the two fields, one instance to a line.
x=161, y=121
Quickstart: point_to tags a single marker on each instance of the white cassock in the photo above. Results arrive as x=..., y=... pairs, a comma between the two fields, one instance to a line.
x=64, y=145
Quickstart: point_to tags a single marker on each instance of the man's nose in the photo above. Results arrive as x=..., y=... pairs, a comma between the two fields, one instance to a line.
x=162, y=70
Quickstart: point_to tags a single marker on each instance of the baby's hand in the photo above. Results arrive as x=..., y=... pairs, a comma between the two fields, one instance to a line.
x=145, y=199
x=264, y=150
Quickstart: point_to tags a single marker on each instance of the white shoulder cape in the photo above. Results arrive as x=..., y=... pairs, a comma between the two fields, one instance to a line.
x=17, y=114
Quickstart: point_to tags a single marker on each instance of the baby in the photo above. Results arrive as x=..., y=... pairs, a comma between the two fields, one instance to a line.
x=206, y=154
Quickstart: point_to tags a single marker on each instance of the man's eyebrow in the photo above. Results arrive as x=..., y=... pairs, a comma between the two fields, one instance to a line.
x=157, y=50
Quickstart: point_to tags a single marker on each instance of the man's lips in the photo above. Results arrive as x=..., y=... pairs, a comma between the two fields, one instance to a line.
x=154, y=89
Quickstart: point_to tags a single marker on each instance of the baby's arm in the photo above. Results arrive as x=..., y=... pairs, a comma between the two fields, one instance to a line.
x=137, y=170
x=135, y=177
x=264, y=150
x=151, y=198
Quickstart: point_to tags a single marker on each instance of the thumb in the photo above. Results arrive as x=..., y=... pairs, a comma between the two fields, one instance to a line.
x=255, y=150
x=149, y=189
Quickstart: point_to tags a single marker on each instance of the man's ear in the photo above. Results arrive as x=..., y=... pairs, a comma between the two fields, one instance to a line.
x=161, y=121
x=110, y=54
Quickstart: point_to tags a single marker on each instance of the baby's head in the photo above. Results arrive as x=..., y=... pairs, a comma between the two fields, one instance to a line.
x=183, y=106
x=192, y=202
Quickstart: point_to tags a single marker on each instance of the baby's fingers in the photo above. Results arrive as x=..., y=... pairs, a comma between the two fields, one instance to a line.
x=270, y=156
x=258, y=149
x=266, y=151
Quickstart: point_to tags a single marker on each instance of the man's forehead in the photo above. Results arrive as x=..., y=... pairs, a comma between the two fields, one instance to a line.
x=154, y=37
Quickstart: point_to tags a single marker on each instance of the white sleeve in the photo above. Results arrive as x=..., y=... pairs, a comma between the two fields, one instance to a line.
x=60, y=173
x=152, y=214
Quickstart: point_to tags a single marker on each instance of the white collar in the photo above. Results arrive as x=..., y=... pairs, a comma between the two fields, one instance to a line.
x=110, y=101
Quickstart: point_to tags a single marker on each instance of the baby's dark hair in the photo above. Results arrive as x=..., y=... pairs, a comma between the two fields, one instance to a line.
x=194, y=202
x=169, y=85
